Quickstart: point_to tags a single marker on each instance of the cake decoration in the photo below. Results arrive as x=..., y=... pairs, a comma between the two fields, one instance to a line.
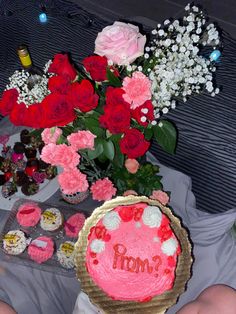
x=74, y=224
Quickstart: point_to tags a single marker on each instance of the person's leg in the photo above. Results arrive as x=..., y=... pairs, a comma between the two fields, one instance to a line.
x=217, y=299
x=6, y=309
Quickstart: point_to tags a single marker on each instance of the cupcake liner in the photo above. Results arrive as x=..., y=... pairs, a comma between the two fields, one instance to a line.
x=159, y=304
x=75, y=198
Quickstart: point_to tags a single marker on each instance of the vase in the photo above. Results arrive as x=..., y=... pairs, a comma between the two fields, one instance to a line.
x=75, y=198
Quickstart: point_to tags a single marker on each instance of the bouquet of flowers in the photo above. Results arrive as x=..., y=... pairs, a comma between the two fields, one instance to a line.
x=97, y=122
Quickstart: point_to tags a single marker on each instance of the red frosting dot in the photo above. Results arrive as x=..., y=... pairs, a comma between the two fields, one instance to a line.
x=167, y=271
x=147, y=299
x=164, y=233
x=171, y=261
x=93, y=254
x=126, y=213
x=138, y=214
x=107, y=237
x=95, y=261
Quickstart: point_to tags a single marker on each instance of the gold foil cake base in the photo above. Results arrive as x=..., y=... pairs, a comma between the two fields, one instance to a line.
x=159, y=304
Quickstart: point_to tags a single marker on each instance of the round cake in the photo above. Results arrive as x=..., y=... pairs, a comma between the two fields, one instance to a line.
x=132, y=253
x=51, y=219
x=41, y=249
x=28, y=214
x=14, y=242
x=66, y=254
x=74, y=224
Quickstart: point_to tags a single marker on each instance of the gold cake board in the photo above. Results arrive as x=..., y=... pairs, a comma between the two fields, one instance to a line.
x=159, y=304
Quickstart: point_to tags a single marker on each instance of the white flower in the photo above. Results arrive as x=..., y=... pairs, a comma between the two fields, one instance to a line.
x=169, y=247
x=154, y=31
x=111, y=220
x=152, y=216
x=97, y=246
x=161, y=32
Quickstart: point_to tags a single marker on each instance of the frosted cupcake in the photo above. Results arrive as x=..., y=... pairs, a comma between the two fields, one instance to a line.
x=74, y=224
x=66, y=254
x=51, y=219
x=14, y=242
x=41, y=249
x=28, y=214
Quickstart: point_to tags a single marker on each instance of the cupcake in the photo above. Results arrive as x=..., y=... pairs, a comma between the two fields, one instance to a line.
x=14, y=242
x=41, y=249
x=28, y=214
x=74, y=224
x=66, y=254
x=51, y=219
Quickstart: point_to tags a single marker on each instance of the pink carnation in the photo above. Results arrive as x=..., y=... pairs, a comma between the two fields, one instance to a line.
x=48, y=154
x=73, y=181
x=82, y=140
x=103, y=190
x=131, y=165
x=60, y=155
x=160, y=196
x=66, y=156
x=51, y=135
x=137, y=89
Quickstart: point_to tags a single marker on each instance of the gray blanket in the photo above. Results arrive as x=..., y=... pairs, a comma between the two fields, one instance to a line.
x=214, y=252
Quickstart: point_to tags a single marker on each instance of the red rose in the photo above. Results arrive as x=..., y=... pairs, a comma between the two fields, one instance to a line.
x=18, y=114
x=59, y=84
x=9, y=98
x=62, y=66
x=115, y=96
x=133, y=144
x=33, y=116
x=82, y=96
x=56, y=111
x=116, y=119
x=97, y=67
x=139, y=112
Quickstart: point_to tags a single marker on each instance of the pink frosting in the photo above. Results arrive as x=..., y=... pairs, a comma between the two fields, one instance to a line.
x=41, y=249
x=28, y=214
x=74, y=224
x=132, y=266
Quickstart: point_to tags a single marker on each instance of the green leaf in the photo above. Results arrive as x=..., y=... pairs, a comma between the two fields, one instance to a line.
x=93, y=126
x=118, y=157
x=92, y=154
x=109, y=149
x=166, y=135
x=148, y=133
x=113, y=80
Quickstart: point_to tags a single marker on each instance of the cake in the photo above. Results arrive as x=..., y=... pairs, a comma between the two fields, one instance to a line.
x=14, y=242
x=51, y=219
x=132, y=253
x=28, y=214
x=66, y=254
x=74, y=224
x=41, y=249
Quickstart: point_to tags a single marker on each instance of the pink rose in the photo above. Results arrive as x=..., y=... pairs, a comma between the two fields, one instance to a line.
x=137, y=89
x=121, y=42
x=160, y=196
x=72, y=181
x=82, y=140
x=103, y=190
x=132, y=165
x=51, y=135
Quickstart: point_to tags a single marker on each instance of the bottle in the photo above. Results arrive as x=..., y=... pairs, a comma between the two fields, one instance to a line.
x=26, y=62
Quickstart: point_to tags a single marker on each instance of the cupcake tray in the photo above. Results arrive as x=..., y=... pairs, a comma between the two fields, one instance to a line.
x=59, y=236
